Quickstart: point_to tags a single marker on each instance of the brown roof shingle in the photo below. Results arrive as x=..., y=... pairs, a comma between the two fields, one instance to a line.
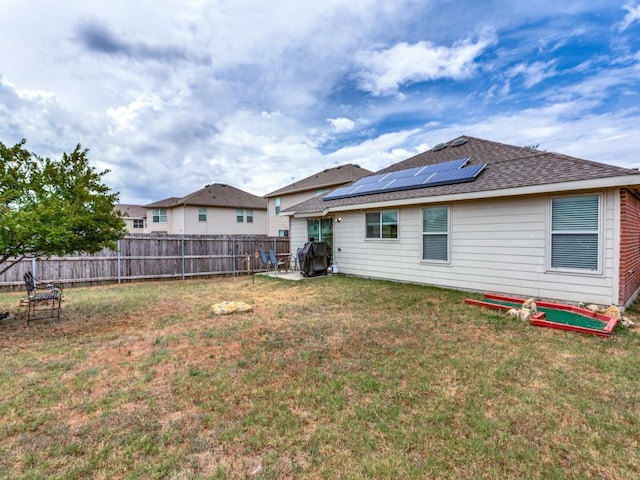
x=507, y=167
x=328, y=178
x=131, y=211
x=215, y=195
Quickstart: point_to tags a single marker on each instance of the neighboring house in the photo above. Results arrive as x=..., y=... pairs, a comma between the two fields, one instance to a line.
x=134, y=216
x=530, y=223
x=310, y=187
x=214, y=209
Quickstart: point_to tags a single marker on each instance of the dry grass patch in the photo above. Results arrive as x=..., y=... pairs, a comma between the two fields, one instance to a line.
x=327, y=378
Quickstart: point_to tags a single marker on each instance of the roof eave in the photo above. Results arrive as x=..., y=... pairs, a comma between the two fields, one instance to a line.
x=609, y=182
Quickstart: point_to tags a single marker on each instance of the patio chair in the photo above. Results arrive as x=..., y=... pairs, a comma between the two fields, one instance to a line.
x=45, y=303
x=264, y=258
x=279, y=263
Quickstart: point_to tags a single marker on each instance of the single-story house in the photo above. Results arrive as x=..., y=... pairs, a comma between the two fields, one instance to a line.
x=309, y=187
x=134, y=216
x=214, y=209
x=478, y=215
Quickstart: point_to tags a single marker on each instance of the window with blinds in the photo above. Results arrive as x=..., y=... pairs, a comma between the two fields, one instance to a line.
x=575, y=232
x=435, y=234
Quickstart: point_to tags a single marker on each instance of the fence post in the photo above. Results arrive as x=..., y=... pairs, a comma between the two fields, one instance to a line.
x=233, y=255
x=182, y=255
x=118, y=263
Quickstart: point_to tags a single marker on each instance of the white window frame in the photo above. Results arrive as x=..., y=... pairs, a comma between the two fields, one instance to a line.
x=249, y=214
x=380, y=214
x=447, y=233
x=277, y=203
x=202, y=214
x=239, y=215
x=159, y=215
x=598, y=231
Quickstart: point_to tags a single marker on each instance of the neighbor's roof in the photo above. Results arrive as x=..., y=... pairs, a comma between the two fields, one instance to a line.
x=215, y=195
x=131, y=211
x=508, y=167
x=328, y=178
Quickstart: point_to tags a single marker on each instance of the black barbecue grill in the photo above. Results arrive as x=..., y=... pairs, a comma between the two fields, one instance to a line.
x=314, y=259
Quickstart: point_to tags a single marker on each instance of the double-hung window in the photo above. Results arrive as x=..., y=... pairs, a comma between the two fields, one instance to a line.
x=575, y=232
x=277, y=202
x=160, y=215
x=249, y=216
x=239, y=215
x=202, y=214
x=382, y=224
x=435, y=234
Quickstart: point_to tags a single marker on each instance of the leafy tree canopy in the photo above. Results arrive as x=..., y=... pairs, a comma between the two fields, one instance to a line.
x=53, y=207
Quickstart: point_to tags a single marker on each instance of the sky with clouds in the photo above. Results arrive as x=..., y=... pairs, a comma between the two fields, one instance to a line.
x=171, y=95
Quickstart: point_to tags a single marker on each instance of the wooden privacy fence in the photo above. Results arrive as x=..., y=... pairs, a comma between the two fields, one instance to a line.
x=146, y=257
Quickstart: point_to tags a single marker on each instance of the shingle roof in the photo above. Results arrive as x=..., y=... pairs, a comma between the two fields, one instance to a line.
x=508, y=167
x=329, y=178
x=215, y=195
x=131, y=211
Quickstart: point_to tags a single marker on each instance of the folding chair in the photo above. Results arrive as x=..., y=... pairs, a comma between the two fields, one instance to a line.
x=278, y=263
x=264, y=258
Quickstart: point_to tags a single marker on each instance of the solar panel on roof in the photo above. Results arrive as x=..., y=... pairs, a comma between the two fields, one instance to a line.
x=454, y=171
x=401, y=173
x=450, y=165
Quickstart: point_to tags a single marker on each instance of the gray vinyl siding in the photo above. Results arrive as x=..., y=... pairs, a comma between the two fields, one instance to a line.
x=495, y=246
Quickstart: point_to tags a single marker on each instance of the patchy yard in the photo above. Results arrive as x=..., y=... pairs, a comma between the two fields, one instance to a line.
x=330, y=377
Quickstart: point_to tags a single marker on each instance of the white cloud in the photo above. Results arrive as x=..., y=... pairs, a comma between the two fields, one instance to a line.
x=632, y=16
x=569, y=128
x=380, y=152
x=385, y=71
x=257, y=94
x=341, y=124
x=533, y=73
x=125, y=116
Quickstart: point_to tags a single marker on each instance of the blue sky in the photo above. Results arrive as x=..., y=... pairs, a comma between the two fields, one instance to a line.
x=171, y=95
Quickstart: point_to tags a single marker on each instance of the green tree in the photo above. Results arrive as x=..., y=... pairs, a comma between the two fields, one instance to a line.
x=53, y=207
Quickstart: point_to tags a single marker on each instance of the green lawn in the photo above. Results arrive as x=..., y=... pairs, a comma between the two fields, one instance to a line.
x=331, y=377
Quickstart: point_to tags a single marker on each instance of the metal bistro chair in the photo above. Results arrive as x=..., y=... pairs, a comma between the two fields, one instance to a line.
x=50, y=299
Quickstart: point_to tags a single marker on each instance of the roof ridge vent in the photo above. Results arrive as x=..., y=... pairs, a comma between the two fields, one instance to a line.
x=458, y=141
x=439, y=146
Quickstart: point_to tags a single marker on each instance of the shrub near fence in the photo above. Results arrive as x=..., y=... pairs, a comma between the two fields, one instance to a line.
x=147, y=257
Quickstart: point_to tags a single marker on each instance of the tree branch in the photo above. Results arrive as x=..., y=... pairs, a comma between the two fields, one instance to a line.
x=7, y=267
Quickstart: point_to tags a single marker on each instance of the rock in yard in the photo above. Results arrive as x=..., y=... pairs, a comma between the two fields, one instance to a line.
x=627, y=323
x=225, y=308
x=612, y=311
x=531, y=305
x=525, y=313
x=514, y=312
